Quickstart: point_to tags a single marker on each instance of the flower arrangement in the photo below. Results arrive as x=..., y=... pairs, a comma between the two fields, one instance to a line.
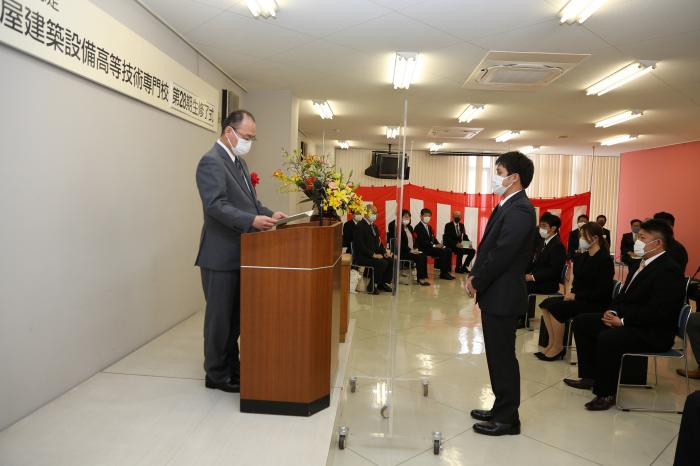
x=313, y=174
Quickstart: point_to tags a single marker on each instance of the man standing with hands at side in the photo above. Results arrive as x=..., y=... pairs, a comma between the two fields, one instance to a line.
x=231, y=208
x=498, y=282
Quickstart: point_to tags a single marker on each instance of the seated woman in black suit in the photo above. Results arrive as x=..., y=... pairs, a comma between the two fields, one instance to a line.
x=408, y=247
x=591, y=290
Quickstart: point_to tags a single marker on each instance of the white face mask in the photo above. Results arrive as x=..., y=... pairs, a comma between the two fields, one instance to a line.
x=242, y=147
x=580, y=224
x=372, y=217
x=544, y=233
x=406, y=222
x=497, y=185
x=639, y=246
x=426, y=220
x=583, y=245
x=357, y=217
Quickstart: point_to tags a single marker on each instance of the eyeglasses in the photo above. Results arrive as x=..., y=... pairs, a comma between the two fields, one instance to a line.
x=244, y=136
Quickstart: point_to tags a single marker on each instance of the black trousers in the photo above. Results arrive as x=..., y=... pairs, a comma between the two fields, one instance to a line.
x=383, y=269
x=688, y=448
x=442, y=256
x=461, y=253
x=222, y=324
x=421, y=261
x=504, y=371
x=600, y=349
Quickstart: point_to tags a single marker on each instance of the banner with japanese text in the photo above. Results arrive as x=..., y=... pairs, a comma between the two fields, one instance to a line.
x=475, y=208
x=81, y=38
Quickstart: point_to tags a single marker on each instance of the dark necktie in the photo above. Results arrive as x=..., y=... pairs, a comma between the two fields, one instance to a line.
x=239, y=165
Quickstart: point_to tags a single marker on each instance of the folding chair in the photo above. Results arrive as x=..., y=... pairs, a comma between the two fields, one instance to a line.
x=363, y=269
x=403, y=263
x=677, y=353
x=531, y=296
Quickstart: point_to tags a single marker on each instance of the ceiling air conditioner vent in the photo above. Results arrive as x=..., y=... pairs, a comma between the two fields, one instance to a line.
x=521, y=71
x=453, y=132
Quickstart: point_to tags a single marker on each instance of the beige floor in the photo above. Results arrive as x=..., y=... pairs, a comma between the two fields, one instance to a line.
x=439, y=336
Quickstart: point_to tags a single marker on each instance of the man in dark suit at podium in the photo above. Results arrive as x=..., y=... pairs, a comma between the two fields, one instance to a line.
x=452, y=237
x=428, y=244
x=231, y=208
x=498, y=282
x=627, y=254
x=368, y=250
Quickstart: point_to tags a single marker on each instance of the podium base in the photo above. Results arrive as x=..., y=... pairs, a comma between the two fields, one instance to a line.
x=285, y=408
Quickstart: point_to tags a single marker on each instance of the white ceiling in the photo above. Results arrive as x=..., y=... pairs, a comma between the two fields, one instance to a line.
x=342, y=51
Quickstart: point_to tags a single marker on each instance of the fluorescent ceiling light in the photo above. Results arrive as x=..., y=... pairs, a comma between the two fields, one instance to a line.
x=344, y=144
x=578, y=11
x=323, y=108
x=392, y=132
x=507, y=136
x=617, y=140
x=264, y=8
x=471, y=112
x=434, y=147
x=404, y=68
x=528, y=149
x=622, y=76
x=619, y=118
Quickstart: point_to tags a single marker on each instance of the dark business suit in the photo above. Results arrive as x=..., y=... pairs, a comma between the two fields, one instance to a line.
x=679, y=254
x=572, y=248
x=348, y=230
x=627, y=246
x=547, y=267
x=606, y=235
x=420, y=259
x=688, y=447
x=649, y=304
x=230, y=207
x=453, y=236
x=365, y=244
x=498, y=275
x=426, y=241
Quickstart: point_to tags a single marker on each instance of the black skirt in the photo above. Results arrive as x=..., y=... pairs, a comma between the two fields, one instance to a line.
x=565, y=310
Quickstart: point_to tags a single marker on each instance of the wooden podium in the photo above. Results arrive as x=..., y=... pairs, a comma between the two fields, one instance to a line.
x=290, y=305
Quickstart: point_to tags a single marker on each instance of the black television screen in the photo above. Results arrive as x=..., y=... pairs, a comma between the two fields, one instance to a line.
x=386, y=165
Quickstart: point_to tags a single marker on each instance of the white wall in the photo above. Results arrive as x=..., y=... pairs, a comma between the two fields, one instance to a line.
x=100, y=220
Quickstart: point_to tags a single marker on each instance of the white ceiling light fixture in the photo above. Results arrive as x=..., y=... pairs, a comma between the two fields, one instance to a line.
x=578, y=11
x=392, y=132
x=404, y=69
x=618, y=140
x=323, y=108
x=345, y=145
x=471, y=112
x=528, y=149
x=507, y=136
x=434, y=147
x=619, y=118
x=622, y=76
x=264, y=8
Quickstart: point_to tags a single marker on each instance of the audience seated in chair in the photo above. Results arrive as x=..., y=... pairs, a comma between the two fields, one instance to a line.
x=643, y=318
x=591, y=290
x=452, y=237
x=369, y=251
x=675, y=248
x=572, y=249
x=408, y=247
x=545, y=271
x=627, y=254
x=430, y=246
x=602, y=220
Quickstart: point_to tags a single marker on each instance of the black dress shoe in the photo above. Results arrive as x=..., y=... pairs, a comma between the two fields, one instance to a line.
x=481, y=414
x=582, y=384
x=544, y=357
x=423, y=283
x=228, y=387
x=446, y=276
x=601, y=403
x=460, y=271
x=538, y=354
x=385, y=287
x=496, y=428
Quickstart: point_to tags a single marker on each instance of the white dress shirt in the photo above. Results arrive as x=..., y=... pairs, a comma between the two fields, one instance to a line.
x=504, y=200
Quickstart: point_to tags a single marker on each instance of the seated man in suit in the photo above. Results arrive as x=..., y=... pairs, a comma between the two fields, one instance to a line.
x=408, y=248
x=544, y=273
x=349, y=229
x=572, y=248
x=675, y=248
x=430, y=246
x=643, y=318
x=627, y=254
x=369, y=251
x=452, y=237
x=602, y=220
